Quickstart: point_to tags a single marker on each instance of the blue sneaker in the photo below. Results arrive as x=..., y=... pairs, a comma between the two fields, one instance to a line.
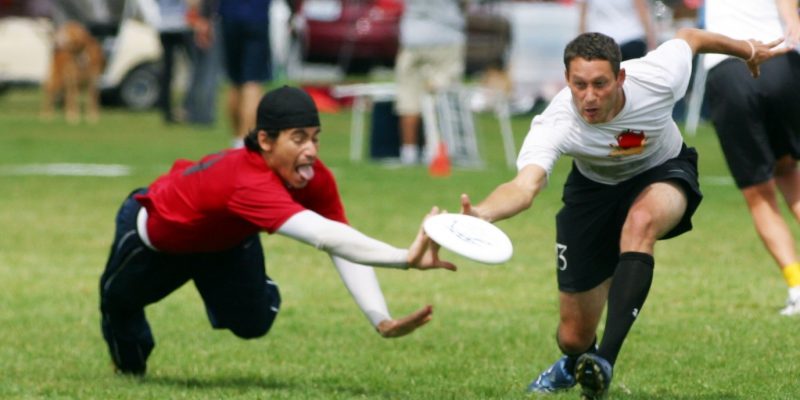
x=553, y=379
x=594, y=374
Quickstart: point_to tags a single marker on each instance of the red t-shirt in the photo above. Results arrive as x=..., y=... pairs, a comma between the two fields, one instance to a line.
x=216, y=203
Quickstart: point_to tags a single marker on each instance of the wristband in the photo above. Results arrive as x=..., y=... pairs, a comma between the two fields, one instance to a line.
x=752, y=51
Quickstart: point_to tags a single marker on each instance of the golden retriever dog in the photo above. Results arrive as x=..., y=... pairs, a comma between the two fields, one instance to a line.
x=77, y=64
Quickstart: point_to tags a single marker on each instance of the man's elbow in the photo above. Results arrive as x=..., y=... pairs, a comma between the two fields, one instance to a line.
x=690, y=36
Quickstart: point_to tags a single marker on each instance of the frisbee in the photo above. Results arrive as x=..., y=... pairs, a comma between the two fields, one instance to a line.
x=470, y=237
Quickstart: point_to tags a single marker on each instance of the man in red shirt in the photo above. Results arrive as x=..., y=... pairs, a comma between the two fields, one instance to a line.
x=201, y=222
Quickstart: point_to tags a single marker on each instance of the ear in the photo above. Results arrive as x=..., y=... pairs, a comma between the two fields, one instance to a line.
x=621, y=77
x=264, y=141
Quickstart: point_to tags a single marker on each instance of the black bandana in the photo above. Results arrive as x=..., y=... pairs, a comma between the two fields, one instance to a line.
x=286, y=107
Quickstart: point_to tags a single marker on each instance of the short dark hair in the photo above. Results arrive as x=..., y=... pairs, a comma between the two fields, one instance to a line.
x=593, y=46
x=251, y=140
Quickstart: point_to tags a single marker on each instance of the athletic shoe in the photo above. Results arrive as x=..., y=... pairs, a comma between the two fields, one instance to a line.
x=594, y=374
x=792, y=303
x=128, y=351
x=553, y=379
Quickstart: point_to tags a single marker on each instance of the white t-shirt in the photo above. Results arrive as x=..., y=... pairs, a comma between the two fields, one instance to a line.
x=432, y=23
x=641, y=136
x=743, y=19
x=615, y=18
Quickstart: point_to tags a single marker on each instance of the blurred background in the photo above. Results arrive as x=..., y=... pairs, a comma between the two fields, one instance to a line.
x=313, y=41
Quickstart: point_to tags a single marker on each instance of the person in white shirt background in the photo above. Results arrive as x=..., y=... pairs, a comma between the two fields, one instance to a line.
x=758, y=123
x=628, y=22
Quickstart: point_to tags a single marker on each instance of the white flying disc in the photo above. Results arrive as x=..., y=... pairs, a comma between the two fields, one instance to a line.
x=470, y=237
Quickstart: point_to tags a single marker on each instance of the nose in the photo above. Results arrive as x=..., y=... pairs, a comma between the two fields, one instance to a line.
x=589, y=96
x=311, y=150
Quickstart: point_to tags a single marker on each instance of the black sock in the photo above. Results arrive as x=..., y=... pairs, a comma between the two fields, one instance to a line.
x=626, y=297
x=573, y=358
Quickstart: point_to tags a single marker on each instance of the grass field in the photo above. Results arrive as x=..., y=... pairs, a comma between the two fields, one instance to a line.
x=710, y=329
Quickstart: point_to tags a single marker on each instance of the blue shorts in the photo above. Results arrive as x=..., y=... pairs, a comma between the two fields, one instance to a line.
x=248, y=56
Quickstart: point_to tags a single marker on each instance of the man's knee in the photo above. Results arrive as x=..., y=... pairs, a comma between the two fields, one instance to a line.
x=575, y=340
x=785, y=167
x=258, y=321
x=638, y=223
x=255, y=326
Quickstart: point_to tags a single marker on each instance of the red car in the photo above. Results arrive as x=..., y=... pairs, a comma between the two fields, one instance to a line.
x=352, y=33
x=357, y=34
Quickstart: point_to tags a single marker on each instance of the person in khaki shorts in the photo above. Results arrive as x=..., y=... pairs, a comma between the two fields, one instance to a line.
x=431, y=58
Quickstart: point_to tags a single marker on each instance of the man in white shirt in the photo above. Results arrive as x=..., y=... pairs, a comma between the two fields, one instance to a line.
x=758, y=123
x=633, y=182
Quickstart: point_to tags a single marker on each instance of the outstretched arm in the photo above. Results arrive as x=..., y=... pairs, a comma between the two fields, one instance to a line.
x=363, y=285
x=510, y=198
x=791, y=20
x=643, y=12
x=346, y=242
x=752, y=51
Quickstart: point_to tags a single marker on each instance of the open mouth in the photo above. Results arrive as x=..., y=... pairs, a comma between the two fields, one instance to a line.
x=305, y=171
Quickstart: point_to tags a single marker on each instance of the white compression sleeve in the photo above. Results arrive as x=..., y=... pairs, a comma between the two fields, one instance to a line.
x=362, y=284
x=342, y=240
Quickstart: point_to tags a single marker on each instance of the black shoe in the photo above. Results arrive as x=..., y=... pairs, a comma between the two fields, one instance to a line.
x=594, y=375
x=128, y=353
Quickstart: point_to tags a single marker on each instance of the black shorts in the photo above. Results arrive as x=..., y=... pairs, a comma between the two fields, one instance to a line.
x=247, y=51
x=589, y=225
x=757, y=120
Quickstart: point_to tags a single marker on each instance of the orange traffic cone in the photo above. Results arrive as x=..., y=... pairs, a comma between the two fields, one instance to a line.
x=440, y=164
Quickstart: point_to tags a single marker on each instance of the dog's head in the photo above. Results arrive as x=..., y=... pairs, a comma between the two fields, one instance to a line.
x=72, y=37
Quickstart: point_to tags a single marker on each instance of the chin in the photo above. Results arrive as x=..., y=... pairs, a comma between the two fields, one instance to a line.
x=299, y=184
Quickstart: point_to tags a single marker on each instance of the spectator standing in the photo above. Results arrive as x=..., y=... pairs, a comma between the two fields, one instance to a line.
x=758, y=123
x=628, y=22
x=431, y=58
x=169, y=18
x=248, y=59
x=201, y=98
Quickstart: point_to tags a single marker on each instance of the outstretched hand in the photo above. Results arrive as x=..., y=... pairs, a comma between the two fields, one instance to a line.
x=761, y=52
x=466, y=205
x=468, y=209
x=424, y=252
x=392, y=328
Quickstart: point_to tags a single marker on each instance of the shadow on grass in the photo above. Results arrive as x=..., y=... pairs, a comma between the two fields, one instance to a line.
x=677, y=396
x=252, y=382
x=220, y=382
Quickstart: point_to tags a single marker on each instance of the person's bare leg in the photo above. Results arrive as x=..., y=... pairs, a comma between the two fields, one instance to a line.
x=250, y=95
x=579, y=317
x=787, y=180
x=409, y=128
x=656, y=210
x=762, y=203
x=234, y=101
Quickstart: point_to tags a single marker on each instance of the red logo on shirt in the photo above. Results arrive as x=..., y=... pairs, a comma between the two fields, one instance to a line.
x=628, y=142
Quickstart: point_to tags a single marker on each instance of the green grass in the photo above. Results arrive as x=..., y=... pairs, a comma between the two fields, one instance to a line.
x=710, y=330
